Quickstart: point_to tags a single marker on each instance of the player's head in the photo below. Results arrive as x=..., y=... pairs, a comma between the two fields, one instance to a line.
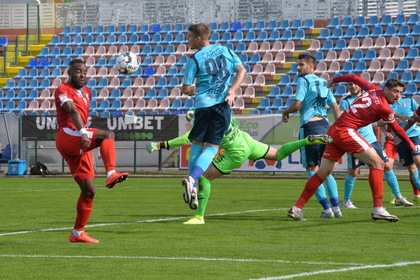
x=198, y=35
x=77, y=73
x=353, y=89
x=306, y=64
x=393, y=90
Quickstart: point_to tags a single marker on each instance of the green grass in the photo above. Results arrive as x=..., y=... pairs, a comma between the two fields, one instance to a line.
x=246, y=236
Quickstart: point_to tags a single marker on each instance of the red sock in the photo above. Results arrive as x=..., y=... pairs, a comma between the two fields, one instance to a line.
x=84, y=209
x=376, y=177
x=416, y=191
x=108, y=154
x=310, y=188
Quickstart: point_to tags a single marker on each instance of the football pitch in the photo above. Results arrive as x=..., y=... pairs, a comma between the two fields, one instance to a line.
x=246, y=236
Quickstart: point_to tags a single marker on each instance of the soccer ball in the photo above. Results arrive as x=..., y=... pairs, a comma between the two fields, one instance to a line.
x=127, y=63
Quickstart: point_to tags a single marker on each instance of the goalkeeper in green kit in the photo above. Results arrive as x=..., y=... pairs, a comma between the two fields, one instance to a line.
x=239, y=146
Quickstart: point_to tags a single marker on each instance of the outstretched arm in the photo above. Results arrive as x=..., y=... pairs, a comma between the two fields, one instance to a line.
x=401, y=133
x=173, y=143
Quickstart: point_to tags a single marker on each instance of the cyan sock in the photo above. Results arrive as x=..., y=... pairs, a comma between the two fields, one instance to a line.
x=348, y=187
x=392, y=181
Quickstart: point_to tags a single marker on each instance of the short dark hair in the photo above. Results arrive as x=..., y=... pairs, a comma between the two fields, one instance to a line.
x=75, y=61
x=200, y=30
x=309, y=58
x=393, y=82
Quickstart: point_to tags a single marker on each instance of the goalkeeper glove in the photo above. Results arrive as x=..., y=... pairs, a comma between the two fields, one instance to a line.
x=153, y=146
x=190, y=115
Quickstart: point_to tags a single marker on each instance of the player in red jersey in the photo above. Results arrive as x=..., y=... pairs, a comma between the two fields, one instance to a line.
x=74, y=142
x=370, y=107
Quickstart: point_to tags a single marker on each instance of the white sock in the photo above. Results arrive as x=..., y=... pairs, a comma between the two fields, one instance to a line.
x=335, y=209
x=76, y=232
x=296, y=209
x=327, y=211
x=377, y=209
x=109, y=173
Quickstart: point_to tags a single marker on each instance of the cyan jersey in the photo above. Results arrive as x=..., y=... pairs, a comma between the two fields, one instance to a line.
x=366, y=131
x=315, y=96
x=406, y=107
x=212, y=66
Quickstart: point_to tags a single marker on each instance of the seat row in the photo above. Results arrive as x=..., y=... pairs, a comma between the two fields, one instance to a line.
x=385, y=20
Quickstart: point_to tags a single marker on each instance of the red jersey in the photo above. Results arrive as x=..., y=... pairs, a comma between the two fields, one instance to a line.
x=370, y=107
x=81, y=98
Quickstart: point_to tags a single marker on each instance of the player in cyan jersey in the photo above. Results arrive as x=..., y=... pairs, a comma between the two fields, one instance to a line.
x=354, y=164
x=212, y=66
x=372, y=106
x=239, y=146
x=312, y=98
x=74, y=142
x=404, y=110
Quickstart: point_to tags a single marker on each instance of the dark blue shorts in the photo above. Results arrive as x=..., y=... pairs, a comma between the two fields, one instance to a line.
x=355, y=163
x=210, y=123
x=311, y=155
x=405, y=153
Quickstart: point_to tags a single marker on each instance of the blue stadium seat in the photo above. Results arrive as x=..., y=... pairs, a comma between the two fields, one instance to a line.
x=173, y=82
x=340, y=45
x=226, y=37
x=77, y=40
x=21, y=95
x=416, y=30
x=169, y=49
x=284, y=24
x=182, y=60
x=417, y=78
x=188, y=105
x=239, y=36
x=248, y=25
x=308, y=23
x=214, y=37
x=236, y=26
x=110, y=40
x=45, y=51
x=255, y=112
x=103, y=83
x=267, y=111
x=347, y=21
x=337, y=33
x=412, y=54
x=167, y=39
x=180, y=39
x=146, y=50
x=110, y=29
x=287, y=35
x=274, y=36
x=255, y=58
x=402, y=66
x=360, y=21
x=172, y=71
x=319, y=56
x=240, y=48
x=299, y=35
x=156, y=39
x=54, y=41
x=45, y=83
x=408, y=42
x=347, y=68
x=21, y=73
x=350, y=33
x=33, y=62
x=360, y=67
x=78, y=51
x=144, y=28
x=67, y=51
x=122, y=28
x=293, y=70
x=404, y=30
x=104, y=105
x=156, y=28
x=272, y=25
x=33, y=94
x=56, y=72
x=116, y=105
x=357, y=55
x=390, y=31
x=87, y=30
x=56, y=62
x=370, y=55
x=163, y=93
x=264, y=103
x=363, y=32
x=287, y=91
x=147, y=61
x=334, y=22
x=148, y=71
x=274, y=92
x=262, y=36
x=176, y=104
x=99, y=40
x=33, y=73
x=407, y=77
x=65, y=41
x=328, y=45
x=22, y=105
x=413, y=19
x=340, y=90
x=400, y=19
x=325, y=34
x=88, y=40
x=43, y=62
x=250, y=36
x=386, y=20
x=166, y=28
x=126, y=83
x=98, y=30
x=66, y=30
x=277, y=104
x=161, y=82
x=151, y=93
x=296, y=24
x=259, y=25
x=410, y=89
x=284, y=81
x=376, y=31
x=122, y=39
x=158, y=49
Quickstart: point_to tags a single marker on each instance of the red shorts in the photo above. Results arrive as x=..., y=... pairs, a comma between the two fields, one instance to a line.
x=391, y=149
x=345, y=140
x=69, y=143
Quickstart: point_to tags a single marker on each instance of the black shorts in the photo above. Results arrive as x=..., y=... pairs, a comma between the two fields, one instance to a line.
x=210, y=123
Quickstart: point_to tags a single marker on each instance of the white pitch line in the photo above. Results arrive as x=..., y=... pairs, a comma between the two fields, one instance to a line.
x=338, y=270
x=177, y=258
x=138, y=222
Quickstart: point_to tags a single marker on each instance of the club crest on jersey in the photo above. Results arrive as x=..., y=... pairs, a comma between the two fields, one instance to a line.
x=375, y=98
x=391, y=116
